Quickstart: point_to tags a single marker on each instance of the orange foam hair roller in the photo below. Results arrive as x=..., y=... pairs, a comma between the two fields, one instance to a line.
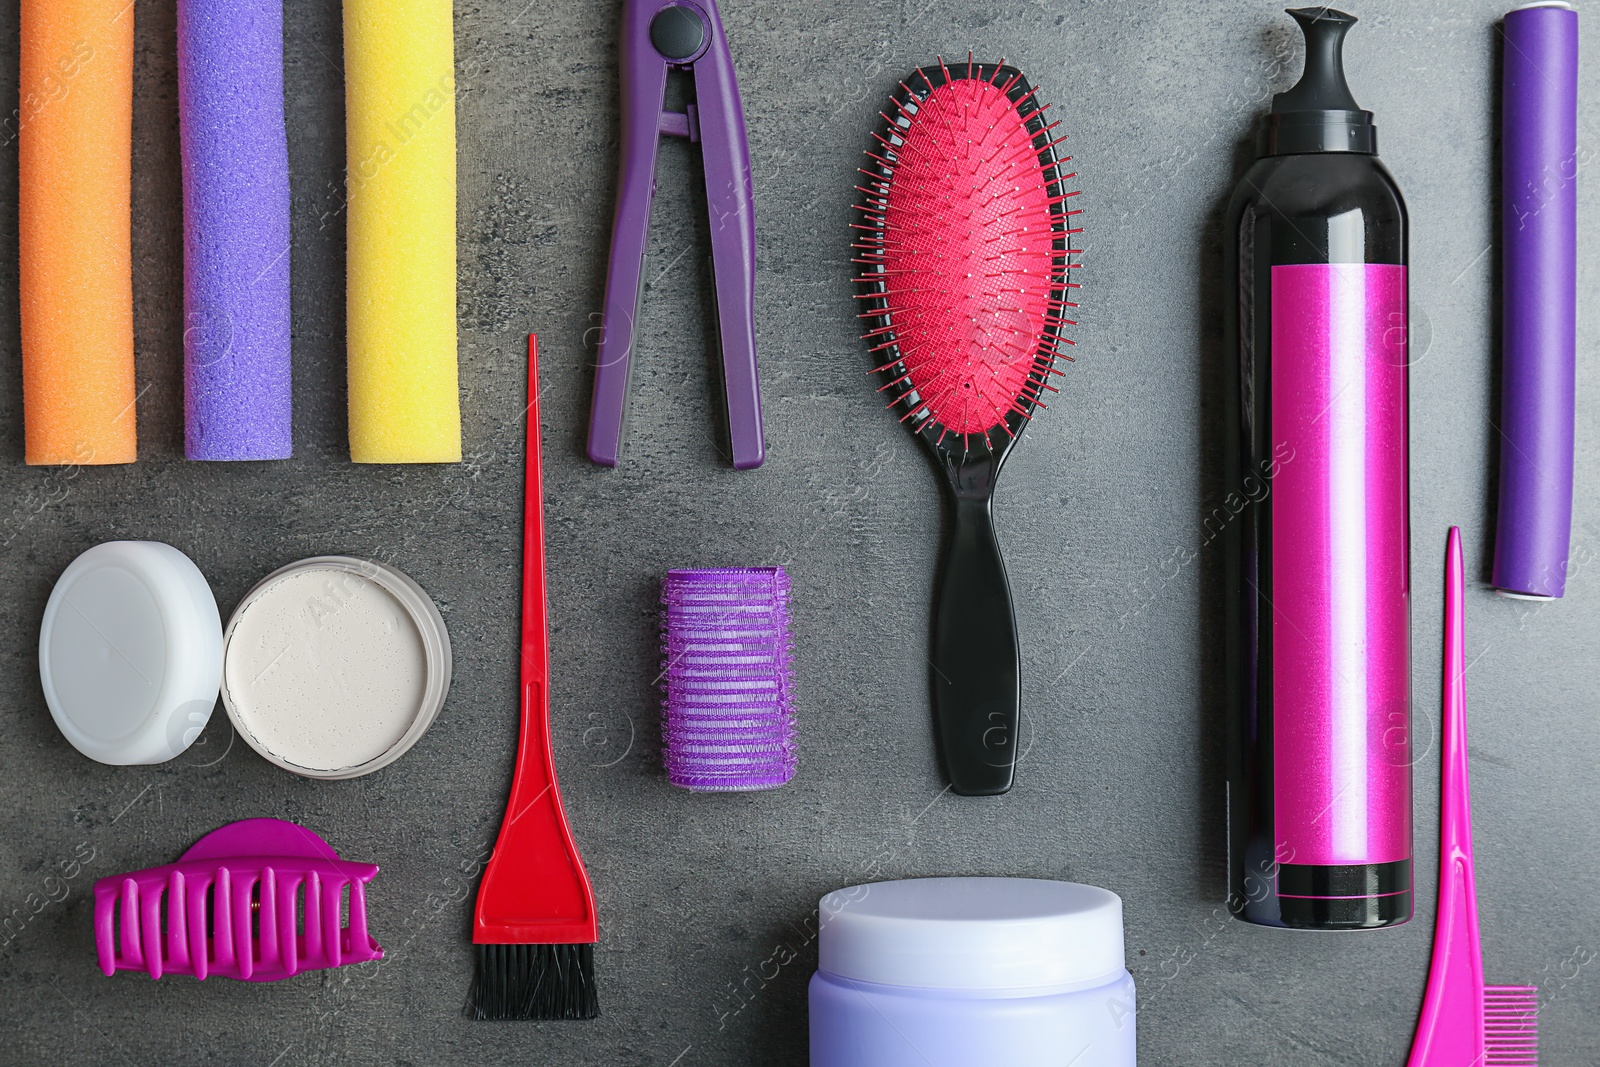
x=75, y=150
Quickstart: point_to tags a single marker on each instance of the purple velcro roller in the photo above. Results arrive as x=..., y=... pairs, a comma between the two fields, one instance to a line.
x=728, y=722
x=1539, y=171
x=257, y=900
x=236, y=230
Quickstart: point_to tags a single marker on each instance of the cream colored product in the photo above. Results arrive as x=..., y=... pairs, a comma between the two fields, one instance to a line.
x=334, y=667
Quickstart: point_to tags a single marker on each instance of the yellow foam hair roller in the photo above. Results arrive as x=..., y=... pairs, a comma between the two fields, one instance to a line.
x=405, y=404
x=74, y=129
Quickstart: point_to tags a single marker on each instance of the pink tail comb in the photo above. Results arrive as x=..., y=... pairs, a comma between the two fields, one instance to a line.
x=257, y=900
x=1465, y=1023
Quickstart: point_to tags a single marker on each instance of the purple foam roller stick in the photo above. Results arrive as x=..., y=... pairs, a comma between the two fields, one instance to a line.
x=728, y=717
x=237, y=397
x=1539, y=170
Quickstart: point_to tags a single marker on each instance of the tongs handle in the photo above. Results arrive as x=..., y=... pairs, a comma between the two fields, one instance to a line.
x=644, y=85
x=730, y=200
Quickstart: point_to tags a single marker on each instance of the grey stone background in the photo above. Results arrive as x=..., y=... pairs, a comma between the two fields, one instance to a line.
x=703, y=899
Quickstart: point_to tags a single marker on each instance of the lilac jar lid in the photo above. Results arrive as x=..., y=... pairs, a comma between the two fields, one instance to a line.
x=1022, y=934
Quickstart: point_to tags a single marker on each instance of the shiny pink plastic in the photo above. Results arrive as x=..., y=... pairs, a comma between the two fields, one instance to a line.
x=1463, y=1021
x=256, y=900
x=1340, y=565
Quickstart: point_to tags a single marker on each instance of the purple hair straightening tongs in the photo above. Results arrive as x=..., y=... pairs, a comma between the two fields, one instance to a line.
x=686, y=35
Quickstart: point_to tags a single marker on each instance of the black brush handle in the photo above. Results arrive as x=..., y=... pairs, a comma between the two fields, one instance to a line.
x=977, y=694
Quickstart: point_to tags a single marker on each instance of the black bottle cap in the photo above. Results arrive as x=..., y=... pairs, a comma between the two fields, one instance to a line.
x=1319, y=114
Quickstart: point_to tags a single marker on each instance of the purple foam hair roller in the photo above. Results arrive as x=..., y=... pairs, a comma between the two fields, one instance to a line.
x=1539, y=170
x=237, y=398
x=728, y=716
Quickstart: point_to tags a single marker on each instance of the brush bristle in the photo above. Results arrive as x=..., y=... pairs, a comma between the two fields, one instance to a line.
x=966, y=249
x=1510, y=1026
x=534, y=982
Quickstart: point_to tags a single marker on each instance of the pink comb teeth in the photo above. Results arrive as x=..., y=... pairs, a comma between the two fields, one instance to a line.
x=1465, y=1023
x=1511, y=1026
x=256, y=900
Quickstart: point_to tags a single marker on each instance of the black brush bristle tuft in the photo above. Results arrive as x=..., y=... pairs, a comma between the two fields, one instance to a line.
x=534, y=982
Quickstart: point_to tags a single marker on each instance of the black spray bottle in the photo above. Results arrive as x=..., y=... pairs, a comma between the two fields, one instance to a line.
x=1319, y=785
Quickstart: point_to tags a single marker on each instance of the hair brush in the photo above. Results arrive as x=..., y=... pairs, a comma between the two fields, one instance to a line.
x=966, y=257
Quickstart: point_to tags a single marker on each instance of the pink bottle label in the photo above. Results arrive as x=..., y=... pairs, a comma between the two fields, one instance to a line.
x=1340, y=565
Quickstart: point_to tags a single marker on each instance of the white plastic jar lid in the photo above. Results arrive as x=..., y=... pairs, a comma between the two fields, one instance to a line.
x=334, y=667
x=973, y=934
x=130, y=652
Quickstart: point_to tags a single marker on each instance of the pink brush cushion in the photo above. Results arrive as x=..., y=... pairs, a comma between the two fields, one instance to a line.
x=969, y=254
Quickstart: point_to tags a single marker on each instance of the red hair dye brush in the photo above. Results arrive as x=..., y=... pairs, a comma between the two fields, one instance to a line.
x=535, y=925
x=967, y=253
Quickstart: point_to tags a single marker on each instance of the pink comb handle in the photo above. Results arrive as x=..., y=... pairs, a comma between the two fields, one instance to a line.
x=1464, y=1023
x=256, y=900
